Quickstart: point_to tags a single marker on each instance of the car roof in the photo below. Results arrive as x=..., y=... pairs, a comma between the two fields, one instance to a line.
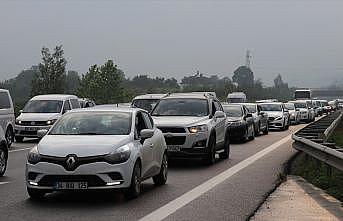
x=248, y=103
x=54, y=97
x=233, y=104
x=298, y=101
x=109, y=108
x=279, y=103
x=196, y=95
x=149, y=96
x=3, y=90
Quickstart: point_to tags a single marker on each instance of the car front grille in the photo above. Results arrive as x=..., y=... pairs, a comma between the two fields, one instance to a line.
x=180, y=140
x=172, y=129
x=33, y=123
x=23, y=132
x=78, y=161
x=271, y=118
x=92, y=180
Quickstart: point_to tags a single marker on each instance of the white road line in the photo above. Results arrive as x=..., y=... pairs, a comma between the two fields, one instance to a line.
x=20, y=149
x=168, y=209
x=3, y=183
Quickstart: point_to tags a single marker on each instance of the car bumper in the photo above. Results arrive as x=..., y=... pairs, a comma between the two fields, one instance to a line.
x=237, y=132
x=99, y=175
x=28, y=131
x=276, y=124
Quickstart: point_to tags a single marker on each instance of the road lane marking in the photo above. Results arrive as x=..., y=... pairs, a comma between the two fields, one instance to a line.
x=171, y=207
x=17, y=150
x=3, y=183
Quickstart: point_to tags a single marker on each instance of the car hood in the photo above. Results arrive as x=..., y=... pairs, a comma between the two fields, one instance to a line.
x=274, y=113
x=179, y=120
x=38, y=116
x=81, y=145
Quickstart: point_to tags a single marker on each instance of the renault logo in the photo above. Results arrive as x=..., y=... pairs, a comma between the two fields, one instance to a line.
x=33, y=123
x=70, y=162
x=168, y=135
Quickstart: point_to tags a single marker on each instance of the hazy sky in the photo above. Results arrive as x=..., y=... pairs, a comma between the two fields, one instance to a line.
x=302, y=40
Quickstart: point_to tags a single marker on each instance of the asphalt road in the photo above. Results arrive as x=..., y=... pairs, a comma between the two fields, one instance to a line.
x=229, y=190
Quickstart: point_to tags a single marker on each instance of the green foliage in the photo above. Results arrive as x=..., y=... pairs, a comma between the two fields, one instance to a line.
x=320, y=174
x=51, y=76
x=72, y=82
x=103, y=84
x=244, y=77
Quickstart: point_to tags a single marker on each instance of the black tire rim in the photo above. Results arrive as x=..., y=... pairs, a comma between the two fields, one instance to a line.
x=9, y=137
x=3, y=161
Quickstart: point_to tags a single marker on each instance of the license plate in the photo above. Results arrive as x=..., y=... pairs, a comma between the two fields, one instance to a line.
x=71, y=185
x=31, y=128
x=174, y=148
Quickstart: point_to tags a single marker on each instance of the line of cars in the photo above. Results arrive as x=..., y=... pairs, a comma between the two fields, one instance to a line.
x=118, y=147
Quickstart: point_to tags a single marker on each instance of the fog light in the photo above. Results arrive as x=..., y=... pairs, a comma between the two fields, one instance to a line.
x=113, y=183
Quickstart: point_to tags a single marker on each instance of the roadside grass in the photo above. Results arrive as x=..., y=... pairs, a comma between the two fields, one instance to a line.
x=319, y=174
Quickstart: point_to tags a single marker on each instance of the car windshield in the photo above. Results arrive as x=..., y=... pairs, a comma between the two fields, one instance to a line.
x=233, y=111
x=181, y=107
x=271, y=107
x=251, y=108
x=300, y=105
x=146, y=104
x=325, y=103
x=290, y=106
x=93, y=123
x=43, y=106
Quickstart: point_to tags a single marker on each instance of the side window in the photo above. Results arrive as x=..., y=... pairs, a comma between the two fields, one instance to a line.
x=140, y=124
x=66, y=106
x=74, y=103
x=4, y=101
x=147, y=120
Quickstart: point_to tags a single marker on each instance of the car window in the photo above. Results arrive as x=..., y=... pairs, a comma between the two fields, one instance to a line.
x=4, y=100
x=271, y=107
x=251, y=108
x=74, y=103
x=233, y=111
x=66, y=106
x=43, y=106
x=147, y=120
x=140, y=124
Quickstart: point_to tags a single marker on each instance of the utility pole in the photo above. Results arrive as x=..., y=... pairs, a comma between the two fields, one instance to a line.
x=248, y=59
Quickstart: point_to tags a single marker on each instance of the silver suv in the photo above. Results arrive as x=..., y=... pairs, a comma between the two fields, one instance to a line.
x=193, y=125
x=7, y=116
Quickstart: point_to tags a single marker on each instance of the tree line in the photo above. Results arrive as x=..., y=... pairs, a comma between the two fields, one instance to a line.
x=107, y=83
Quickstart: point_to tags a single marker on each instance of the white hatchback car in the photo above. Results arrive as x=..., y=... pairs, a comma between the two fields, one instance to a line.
x=103, y=147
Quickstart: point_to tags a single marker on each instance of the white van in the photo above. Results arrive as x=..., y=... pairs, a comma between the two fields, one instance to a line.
x=7, y=116
x=236, y=97
x=41, y=112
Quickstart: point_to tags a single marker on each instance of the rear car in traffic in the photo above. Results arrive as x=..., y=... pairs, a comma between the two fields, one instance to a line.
x=278, y=115
x=41, y=112
x=3, y=153
x=260, y=118
x=294, y=113
x=193, y=125
x=240, y=122
x=98, y=148
x=147, y=101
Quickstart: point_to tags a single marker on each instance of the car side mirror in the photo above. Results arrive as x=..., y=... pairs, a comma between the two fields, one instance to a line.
x=297, y=109
x=147, y=133
x=41, y=133
x=248, y=115
x=219, y=114
x=261, y=113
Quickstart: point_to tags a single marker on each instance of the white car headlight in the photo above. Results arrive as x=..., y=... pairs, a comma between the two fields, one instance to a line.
x=120, y=155
x=51, y=122
x=278, y=118
x=197, y=129
x=33, y=156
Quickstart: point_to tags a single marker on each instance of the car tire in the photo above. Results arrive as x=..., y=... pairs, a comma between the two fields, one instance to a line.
x=226, y=153
x=3, y=160
x=9, y=136
x=211, y=154
x=287, y=127
x=19, y=139
x=161, y=178
x=135, y=187
x=36, y=194
x=252, y=137
x=266, y=130
x=258, y=130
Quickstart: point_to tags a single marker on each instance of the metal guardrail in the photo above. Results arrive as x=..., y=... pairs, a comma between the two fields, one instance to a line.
x=312, y=140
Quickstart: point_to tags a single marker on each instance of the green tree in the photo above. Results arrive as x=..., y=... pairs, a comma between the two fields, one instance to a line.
x=244, y=77
x=72, y=82
x=51, y=76
x=103, y=84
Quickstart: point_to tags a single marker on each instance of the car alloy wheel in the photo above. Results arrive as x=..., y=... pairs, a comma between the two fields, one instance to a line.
x=9, y=137
x=135, y=188
x=161, y=178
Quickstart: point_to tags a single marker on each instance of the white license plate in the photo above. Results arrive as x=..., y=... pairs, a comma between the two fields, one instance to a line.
x=31, y=128
x=71, y=185
x=173, y=148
